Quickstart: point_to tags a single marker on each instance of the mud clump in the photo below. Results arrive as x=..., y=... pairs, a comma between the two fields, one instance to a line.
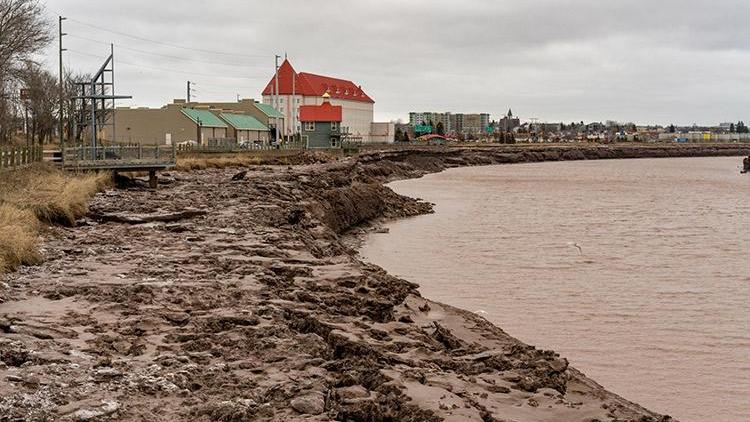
x=255, y=308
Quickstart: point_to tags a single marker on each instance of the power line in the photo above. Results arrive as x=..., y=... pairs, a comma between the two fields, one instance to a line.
x=234, y=87
x=119, y=61
x=165, y=43
x=120, y=46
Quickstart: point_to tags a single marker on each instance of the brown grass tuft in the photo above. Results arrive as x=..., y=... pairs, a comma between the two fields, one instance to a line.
x=36, y=195
x=18, y=238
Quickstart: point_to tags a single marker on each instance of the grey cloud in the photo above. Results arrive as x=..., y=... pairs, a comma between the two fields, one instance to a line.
x=647, y=61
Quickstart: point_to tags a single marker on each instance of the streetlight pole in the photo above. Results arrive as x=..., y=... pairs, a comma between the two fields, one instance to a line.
x=200, y=132
x=62, y=89
x=276, y=106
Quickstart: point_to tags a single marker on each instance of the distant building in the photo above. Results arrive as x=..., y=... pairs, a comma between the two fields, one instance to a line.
x=297, y=89
x=701, y=136
x=431, y=118
x=474, y=124
x=321, y=124
x=508, y=122
x=458, y=123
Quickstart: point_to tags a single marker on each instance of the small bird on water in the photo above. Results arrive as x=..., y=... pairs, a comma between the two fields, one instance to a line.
x=574, y=244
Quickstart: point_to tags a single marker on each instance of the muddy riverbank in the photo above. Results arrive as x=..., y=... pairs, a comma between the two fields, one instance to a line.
x=231, y=300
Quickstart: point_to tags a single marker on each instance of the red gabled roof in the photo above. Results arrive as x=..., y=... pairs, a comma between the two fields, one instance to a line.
x=315, y=85
x=325, y=112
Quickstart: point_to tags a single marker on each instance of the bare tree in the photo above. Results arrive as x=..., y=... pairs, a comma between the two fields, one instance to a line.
x=42, y=88
x=23, y=32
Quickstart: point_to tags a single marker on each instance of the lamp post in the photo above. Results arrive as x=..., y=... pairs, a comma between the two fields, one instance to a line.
x=198, y=138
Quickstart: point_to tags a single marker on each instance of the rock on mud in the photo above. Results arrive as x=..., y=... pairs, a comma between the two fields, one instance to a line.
x=108, y=407
x=310, y=404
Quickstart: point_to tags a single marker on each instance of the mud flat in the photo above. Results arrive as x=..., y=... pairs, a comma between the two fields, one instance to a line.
x=214, y=299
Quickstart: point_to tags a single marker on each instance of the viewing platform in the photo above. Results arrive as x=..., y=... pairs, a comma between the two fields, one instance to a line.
x=120, y=158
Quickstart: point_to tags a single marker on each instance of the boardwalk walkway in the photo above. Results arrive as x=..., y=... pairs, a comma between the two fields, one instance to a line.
x=117, y=158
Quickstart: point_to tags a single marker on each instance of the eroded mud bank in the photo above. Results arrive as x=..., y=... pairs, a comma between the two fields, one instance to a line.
x=254, y=309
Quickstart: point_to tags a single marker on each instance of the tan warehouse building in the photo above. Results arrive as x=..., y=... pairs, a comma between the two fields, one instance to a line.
x=204, y=123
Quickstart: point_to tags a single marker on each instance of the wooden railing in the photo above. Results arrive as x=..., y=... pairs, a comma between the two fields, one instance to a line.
x=17, y=157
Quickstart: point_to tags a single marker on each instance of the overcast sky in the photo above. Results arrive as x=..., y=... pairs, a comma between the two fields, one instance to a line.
x=647, y=61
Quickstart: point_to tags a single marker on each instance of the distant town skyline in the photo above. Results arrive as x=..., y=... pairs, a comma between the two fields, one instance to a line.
x=587, y=60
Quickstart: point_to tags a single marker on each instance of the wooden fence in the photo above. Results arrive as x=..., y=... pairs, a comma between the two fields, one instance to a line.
x=17, y=157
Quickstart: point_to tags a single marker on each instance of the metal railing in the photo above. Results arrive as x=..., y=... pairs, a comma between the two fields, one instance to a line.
x=17, y=157
x=122, y=156
x=240, y=147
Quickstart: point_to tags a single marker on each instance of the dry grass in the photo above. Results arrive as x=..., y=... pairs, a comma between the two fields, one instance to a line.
x=282, y=157
x=222, y=161
x=18, y=238
x=31, y=197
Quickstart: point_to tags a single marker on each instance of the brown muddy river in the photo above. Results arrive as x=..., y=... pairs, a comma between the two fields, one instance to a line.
x=655, y=305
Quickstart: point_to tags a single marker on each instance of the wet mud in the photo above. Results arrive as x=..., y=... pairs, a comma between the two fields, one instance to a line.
x=213, y=299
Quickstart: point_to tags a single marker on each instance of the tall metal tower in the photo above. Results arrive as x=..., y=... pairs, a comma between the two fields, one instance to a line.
x=95, y=100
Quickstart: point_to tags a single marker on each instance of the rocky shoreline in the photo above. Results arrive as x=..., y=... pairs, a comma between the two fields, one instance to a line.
x=214, y=299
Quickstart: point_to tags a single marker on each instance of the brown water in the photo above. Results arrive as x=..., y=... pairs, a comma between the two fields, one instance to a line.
x=655, y=307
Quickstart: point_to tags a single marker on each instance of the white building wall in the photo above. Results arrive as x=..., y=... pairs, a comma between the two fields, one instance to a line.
x=383, y=132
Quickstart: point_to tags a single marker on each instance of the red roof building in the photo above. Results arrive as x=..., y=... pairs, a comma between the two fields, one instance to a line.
x=325, y=112
x=300, y=89
x=308, y=84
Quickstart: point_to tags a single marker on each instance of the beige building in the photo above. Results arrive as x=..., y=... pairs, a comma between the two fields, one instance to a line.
x=164, y=126
x=181, y=122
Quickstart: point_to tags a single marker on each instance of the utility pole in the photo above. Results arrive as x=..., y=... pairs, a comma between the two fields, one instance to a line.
x=294, y=103
x=276, y=106
x=62, y=89
x=114, y=111
x=26, y=123
x=188, y=91
x=276, y=81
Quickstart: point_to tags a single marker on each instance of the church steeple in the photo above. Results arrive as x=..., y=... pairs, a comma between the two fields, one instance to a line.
x=510, y=113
